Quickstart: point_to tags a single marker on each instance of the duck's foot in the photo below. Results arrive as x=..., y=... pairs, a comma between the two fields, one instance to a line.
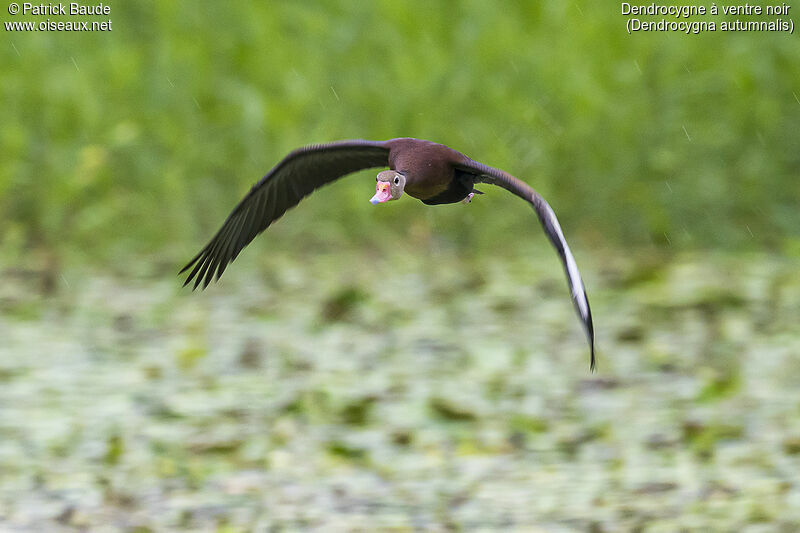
x=468, y=199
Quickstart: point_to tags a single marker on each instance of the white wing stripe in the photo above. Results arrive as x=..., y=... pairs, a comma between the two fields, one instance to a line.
x=575, y=282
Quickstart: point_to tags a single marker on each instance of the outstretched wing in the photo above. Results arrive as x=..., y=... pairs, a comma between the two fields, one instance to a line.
x=294, y=178
x=552, y=228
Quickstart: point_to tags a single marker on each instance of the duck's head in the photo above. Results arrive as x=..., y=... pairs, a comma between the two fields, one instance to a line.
x=389, y=187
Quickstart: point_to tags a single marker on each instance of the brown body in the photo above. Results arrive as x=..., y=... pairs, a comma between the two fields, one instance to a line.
x=430, y=172
x=429, y=167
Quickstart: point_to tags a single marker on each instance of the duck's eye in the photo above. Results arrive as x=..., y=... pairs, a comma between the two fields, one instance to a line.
x=396, y=180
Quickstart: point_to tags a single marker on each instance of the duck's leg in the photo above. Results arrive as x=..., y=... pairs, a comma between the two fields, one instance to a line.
x=469, y=197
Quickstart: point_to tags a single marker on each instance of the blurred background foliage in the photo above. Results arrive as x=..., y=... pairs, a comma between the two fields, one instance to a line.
x=140, y=140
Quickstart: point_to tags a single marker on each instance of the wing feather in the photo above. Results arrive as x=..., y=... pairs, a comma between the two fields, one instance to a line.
x=291, y=180
x=552, y=228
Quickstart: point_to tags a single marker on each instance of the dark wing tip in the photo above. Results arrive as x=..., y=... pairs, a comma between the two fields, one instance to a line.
x=589, y=328
x=194, y=275
x=200, y=264
x=189, y=265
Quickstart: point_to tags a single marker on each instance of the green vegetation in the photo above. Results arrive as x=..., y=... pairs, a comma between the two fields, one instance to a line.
x=401, y=368
x=140, y=140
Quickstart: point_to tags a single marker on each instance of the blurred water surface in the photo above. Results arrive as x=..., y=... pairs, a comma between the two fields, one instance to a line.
x=426, y=392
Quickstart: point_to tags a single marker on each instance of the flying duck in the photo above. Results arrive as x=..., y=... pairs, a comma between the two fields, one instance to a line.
x=430, y=172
